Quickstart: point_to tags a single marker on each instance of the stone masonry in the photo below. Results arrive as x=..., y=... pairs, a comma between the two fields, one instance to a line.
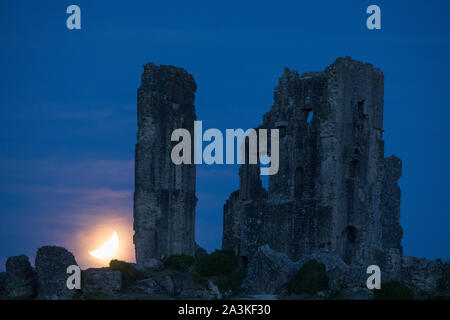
x=164, y=197
x=335, y=191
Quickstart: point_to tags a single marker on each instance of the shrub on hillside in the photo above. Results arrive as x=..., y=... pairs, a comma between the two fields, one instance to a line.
x=129, y=273
x=218, y=263
x=393, y=290
x=310, y=279
x=180, y=262
x=222, y=267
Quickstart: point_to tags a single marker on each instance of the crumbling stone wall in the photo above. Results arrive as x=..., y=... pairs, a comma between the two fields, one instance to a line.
x=164, y=197
x=425, y=277
x=334, y=191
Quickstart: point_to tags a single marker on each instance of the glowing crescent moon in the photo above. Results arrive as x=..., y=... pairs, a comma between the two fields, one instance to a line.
x=108, y=249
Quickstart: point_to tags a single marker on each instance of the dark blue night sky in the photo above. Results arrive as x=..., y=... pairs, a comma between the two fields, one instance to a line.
x=68, y=103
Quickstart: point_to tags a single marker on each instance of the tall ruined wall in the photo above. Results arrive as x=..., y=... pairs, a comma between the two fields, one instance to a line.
x=164, y=197
x=334, y=190
x=392, y=232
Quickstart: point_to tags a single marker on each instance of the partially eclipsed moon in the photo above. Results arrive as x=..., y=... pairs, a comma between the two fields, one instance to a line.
x=108, y=249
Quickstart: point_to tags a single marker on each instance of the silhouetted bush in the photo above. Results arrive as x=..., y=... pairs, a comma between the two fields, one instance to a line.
x=231, y=282
x=129, y=273
x=218, y=263
x=222, y=267
x=180, y=262
x=310, y=279
x=393, y=290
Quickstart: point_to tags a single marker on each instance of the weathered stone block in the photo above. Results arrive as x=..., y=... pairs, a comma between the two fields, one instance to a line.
x=51, y=268
x=269, y=272
x=147, y=287
x=20, y=279
x=425, y=277
x=101, y=283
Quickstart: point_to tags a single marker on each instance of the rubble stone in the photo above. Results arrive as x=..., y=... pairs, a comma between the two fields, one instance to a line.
x=98, y=283
x=20, y=280
x=426, y=277
x=51, y=268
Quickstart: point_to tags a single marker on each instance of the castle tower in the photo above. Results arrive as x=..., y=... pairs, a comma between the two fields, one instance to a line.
x=164, y=197
x=334, y=190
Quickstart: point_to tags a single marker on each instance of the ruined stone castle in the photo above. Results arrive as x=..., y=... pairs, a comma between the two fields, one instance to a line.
x=334, y=200
x=335, y=191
